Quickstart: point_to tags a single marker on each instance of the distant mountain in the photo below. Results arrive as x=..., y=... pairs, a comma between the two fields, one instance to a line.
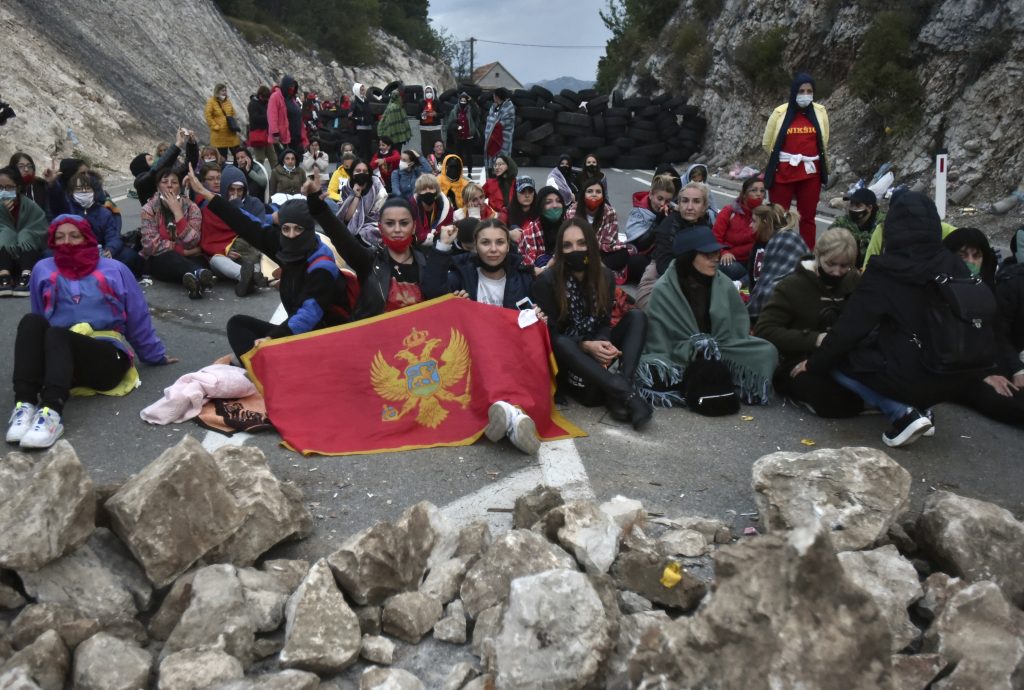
x=556, y=85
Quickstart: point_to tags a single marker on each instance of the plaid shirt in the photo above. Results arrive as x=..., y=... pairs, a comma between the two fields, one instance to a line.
x=781, y=255
x=608, y=233
x=531, y=244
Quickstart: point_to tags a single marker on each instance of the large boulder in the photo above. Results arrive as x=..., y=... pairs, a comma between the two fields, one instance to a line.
x=856, y=493
x=386, y=559
x=47, y=507
x=783, y=615
x=554, y=633
x=892, y=581
x=512, y=555
x=105, y=662
x=45, y=661
x=174, y=511
x=81, y=580
x=983, y=634
x=217, y=610
x=322, y=633
x=192, y=669
x=275, y=511
x=974, y=540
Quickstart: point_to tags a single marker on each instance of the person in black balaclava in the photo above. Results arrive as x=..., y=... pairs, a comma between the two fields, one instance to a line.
x=312, y=288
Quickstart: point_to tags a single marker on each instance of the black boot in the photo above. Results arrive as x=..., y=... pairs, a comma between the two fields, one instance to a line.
x=640, y=411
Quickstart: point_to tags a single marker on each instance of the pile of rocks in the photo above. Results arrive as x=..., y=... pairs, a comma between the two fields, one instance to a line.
x=635, y=132
x=153, y=584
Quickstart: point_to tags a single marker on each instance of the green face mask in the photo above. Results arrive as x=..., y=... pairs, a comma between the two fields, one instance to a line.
x=554, y=214
x=975, y=269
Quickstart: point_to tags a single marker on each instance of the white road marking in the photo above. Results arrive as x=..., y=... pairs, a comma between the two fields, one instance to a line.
x=616, y=170
x=559, y=466
x=642, y=180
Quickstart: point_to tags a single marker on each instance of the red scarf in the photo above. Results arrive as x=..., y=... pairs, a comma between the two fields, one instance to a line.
x=74, y=261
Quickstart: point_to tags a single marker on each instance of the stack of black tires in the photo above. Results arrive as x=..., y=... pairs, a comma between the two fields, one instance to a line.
x=634, y=132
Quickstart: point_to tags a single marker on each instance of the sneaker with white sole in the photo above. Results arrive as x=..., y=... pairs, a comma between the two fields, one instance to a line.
x=907, y=429
x=931, y=418
x=499, y=417
x=523, y=434
x=46, y=429
x=20, y=422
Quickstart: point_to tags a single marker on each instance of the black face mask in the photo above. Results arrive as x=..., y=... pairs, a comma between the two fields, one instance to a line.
x=427, y=198
x=297, y=248
x=453, y=171
x=828, y=280
x=361, y=179
x=566, y=170
x=859, y=216
x=491, y=269
x=576, y=261
x=592, y=169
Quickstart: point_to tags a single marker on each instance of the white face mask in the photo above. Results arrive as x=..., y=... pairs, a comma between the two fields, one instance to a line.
x=84, y=199
x=804, y=100
x=289, y=168
x=209, y=160
x=403, y=165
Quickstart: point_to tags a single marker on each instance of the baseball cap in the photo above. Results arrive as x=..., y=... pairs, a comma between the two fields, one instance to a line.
x=699, y=239
x=525, y=182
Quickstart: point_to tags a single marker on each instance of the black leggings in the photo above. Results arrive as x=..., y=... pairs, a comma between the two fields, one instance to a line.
x=171, y=266
x=22, y=263
x=981, y=397
x=587, y=380
x=464, y=150
x=50, y=360
x=821, y=392
x=621, y=259
x=244, y=331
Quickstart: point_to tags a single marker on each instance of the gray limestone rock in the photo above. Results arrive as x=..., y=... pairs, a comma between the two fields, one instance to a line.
x=45, y=661
x=192, y=669
x=632, y=628
x=387, y=558
x=69, y=623
x=857, y=493
x=531, y=507
x=554, y=633
x=624, y=512
x=783, y=614
x=377, y=678
x=47, y=507
x=938, y=589
x=174, y=511
x=322, y=633
x=714, y=531
x=915, y=672
x=688, y=543
x=643, y=571
x=486, y=628
x=81, y=580
x=588, y=534
x=266, y=592
x=377, y=650
x=17, y=679
x=975, y=540
x=631, y=602
x=171, y=608
x=983, y=634
x=217, y=609
x=892, y=581
x=10, y=598
x=116, y=557
x=473, y=540
x=410, y=615
x=369, y=619
x=281, y=680
x=443, y=580
x=275, y=511
x=452, y=628
x=482, y=682
x=514, y=554
x=461, y=673
x=105, y=662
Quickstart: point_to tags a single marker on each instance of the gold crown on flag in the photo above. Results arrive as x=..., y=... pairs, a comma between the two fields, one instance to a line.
x=415, y=338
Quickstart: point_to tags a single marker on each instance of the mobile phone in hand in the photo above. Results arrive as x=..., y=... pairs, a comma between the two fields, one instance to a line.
x=524, y=304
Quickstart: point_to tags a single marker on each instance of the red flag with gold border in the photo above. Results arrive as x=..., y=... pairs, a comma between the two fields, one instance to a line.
x=419, y=377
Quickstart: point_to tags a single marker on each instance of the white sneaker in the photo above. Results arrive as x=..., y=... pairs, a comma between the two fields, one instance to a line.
x=46, y=429
x=499, y=418
x=523, y=434
x=20, y=422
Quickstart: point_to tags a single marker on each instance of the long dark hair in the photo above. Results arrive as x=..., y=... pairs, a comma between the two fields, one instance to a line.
x=518, y=217
x=595, y=287
x=581, y=197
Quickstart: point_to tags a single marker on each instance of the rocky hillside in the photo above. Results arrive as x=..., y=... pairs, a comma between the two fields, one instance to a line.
x=124, y=78
x=899, y=80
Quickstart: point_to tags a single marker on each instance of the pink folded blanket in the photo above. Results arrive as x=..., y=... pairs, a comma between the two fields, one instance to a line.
x=184, y=398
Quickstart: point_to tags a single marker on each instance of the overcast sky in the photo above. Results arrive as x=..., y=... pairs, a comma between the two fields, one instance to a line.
x=560, y=22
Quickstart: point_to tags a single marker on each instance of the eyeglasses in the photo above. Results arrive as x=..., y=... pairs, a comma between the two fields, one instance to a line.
x=26, y=166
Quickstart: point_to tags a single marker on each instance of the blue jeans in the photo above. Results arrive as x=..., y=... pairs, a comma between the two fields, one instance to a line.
x=735, y=271
x=892, y=409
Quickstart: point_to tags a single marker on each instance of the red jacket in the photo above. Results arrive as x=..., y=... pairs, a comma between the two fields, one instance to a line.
x=735, y=227
x=277, y=117
x=641, y=200
x=391, y=161
x=216, y=235
x=495, y=200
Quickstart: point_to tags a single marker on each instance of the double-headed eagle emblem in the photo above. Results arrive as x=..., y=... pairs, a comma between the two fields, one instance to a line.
x=424, y=384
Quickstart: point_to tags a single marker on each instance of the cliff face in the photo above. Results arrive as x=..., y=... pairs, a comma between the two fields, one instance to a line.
x=125, y=74
x=967, y=57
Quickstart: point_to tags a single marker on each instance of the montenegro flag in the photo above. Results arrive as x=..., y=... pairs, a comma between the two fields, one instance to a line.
x=419, y=377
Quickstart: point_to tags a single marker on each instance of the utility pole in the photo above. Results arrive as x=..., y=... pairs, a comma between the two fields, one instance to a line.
x=471, y=46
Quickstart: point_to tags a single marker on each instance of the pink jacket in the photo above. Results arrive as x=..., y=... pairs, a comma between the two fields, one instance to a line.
x=277, y=118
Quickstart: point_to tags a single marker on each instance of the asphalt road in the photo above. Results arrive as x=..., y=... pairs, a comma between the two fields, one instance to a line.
x=683, y=464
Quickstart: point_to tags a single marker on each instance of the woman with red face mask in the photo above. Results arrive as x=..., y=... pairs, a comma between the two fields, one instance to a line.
x=592, y=204
x=89, y=321
x=734, y=227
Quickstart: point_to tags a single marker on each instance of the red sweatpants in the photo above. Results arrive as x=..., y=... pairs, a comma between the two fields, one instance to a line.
x=807, y=193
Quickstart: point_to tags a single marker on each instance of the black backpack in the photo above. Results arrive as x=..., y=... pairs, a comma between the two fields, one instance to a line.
x=708, y=389
x=959, y=334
